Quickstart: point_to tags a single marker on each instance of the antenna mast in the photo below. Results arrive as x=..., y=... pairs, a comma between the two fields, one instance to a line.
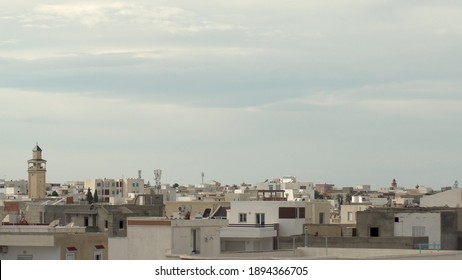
x=157, y=175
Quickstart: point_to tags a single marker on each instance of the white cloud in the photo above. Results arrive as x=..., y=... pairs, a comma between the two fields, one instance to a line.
x=167, y=19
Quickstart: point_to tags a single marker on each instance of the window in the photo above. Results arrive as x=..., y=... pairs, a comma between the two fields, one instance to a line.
x=70, y=253
x=301, y=212
x=242, y=217
x=106, y=224
x=85, y=221
x=396, y=219
x=350, y=216
x=260, y=218
x=374, y=232
x=98, y=255
x=287, y=213
x=418, y=231
x=121, y=224
x=195, y=241
x=98, y=184
x=321, y=218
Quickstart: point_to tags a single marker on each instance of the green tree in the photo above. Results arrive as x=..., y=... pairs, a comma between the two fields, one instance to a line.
x=175, y=185
x=348, y=198
x=89, y=196
x=95, y=197
x=318, y=195
x=54, y=193
x=339, y=199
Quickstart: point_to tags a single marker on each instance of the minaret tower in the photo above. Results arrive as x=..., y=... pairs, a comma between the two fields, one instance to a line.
x=37, y=174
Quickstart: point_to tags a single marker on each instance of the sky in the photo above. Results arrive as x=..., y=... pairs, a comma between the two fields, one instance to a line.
x=346, y=92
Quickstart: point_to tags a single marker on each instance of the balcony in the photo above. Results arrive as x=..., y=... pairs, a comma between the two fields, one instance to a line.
x=248, y=231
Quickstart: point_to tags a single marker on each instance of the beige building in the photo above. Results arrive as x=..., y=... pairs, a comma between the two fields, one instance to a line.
x=317, y=212
x=150, y=238
x=109, y=188
x=43, y=242
x=37, y=174
x=348, y=212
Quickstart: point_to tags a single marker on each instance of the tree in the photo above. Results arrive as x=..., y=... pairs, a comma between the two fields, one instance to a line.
x=339, y=199
x=175, y=185
x=348, y=198
x=318, y=195
x=95, y=197
x=54, y=193
x=89, y=196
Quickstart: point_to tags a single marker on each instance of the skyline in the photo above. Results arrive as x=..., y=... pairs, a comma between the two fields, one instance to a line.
x=346, y=92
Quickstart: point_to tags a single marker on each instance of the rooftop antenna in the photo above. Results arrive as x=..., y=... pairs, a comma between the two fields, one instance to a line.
x=157, y=175
x=202, y=174
x=456, y=184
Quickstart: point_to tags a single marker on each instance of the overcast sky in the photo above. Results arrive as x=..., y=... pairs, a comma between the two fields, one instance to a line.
x=343, y=91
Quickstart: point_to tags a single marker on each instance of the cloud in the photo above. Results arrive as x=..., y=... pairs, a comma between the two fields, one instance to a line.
x=8, y=42
x=167, y=19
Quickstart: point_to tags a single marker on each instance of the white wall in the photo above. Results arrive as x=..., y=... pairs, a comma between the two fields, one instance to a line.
x=148, y=242
x=451, y=198
x=287, y=227
x=37, y=252
x=118, y=248
x=430, y=221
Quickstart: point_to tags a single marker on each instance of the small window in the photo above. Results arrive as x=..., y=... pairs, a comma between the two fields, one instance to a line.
x=106, y=224
x=121, y=224
x=287, y=213
x=242, y=217
x=374, y=232
x=98, y=255
x=350, y=216
x=396, y=219
x=70, y=253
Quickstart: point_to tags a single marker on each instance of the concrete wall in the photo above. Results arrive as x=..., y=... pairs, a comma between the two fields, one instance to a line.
x=366, y=242
x=148, y=239
x=364, y=253
x=247, y=244
x=451, y=198
x=430, y=222
x=208, y=236
x=194, y=207
x=350, y=208
x=36, y=252
x=314, y=208
x=118, y=248
x=383, y=220
x=449, y=233
x=287, y=227
x=84, y=243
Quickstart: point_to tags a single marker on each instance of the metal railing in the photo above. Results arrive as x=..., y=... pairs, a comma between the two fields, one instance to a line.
x=429, y=246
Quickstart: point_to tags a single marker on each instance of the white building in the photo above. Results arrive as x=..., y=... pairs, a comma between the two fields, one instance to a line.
x=107, y=188
x=348, y=212
x=254, y=225
x=451, y=198
x=150, y=238
x=16, y=187
x=419, y=224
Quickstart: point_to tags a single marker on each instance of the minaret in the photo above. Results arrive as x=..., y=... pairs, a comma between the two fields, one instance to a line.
x=37, y=174
x=394, y=185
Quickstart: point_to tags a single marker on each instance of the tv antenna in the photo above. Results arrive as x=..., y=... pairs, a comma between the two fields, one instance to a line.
x=157, y=175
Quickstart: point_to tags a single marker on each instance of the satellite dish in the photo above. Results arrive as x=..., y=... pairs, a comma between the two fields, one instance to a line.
x=54, y=223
